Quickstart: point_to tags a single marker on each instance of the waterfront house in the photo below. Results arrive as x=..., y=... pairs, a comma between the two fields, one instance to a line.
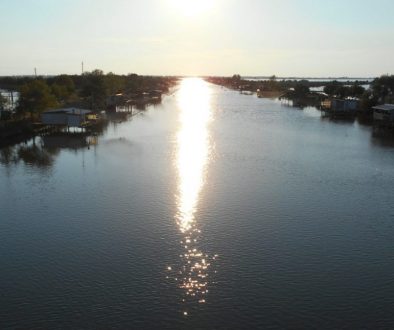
x=70, y=117
x=384, y=113
x=347, y=106
x=114, y=101
x=156, y=94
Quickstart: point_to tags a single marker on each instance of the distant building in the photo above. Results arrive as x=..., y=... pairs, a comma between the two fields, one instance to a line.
x=346, y=106
x=114, y=101
x=71, y=117
x=384, y=113
x=156, y=94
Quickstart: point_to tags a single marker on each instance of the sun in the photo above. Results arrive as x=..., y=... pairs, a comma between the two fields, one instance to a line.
x=191, y=8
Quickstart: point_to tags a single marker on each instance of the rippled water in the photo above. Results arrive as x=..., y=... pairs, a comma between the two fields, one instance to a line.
x=212, y=210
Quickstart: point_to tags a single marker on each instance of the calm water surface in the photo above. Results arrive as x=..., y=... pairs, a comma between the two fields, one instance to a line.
x=211, y=210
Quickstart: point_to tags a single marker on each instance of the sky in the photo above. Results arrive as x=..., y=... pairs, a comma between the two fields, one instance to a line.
x=303, y=38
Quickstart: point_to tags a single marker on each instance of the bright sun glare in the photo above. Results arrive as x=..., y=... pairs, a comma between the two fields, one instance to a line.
x=193, y=146
x=192, y=7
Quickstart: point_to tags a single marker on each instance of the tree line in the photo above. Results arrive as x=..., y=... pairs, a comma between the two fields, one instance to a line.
x=380, y=91
x=89, y=90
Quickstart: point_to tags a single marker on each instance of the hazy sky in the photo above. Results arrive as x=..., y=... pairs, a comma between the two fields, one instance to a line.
x=198, y=37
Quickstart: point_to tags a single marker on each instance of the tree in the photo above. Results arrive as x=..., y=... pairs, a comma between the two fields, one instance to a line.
x=301, y=88
x=97, y=72
x=332, y=88
x=94, y=89
x=338, y=89
x=383, y=88
x=36, y=97
x=3, y=101
x=63, y=87
x=356, y=90
x=114, y=83
x=133, y=82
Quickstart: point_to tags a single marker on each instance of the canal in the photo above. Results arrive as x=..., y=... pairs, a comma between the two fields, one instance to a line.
x=211, y=210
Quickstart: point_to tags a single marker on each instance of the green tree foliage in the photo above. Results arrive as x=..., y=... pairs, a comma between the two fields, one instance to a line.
x=63, y=87
x=337, y=89
x=383, y=88
x=301, y=88
x=368, y=100
x=356, y=90
x=332, y=88
x=89, y=90
x=36, y=97
x=114, y=83
x=133, y=83
x=94, y=89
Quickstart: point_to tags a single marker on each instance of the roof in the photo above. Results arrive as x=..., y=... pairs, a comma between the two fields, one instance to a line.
x=347, y=99
x=384, y=107
x=70, y=111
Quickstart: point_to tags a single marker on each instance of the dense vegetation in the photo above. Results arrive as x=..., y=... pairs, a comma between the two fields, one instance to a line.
x=380, y=91
x=89, y=90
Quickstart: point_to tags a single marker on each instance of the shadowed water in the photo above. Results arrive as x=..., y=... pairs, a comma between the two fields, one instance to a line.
x=211, y=210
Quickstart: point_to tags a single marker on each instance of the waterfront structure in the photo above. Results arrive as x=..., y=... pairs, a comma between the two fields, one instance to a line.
x=384, y=113
x=124, y=102
x=70, y=117
x=347, y=106
x=113, y=101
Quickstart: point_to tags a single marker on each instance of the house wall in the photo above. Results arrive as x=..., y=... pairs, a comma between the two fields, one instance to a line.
x=344, y=105
x=75, y=120
x=383, y=115
x=71, y=120
x=351, y=105
x=54, y=118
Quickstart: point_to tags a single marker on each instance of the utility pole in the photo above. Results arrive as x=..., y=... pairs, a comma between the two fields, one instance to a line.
x=82, y=67
x=35, y=72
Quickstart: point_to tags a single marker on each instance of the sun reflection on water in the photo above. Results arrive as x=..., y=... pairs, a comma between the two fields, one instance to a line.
x=193, y=147
x=193, y=151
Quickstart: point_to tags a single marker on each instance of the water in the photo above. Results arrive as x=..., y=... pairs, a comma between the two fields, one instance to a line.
x=212, y=210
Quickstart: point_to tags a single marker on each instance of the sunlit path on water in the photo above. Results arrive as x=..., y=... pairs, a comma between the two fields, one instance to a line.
x=192, y=157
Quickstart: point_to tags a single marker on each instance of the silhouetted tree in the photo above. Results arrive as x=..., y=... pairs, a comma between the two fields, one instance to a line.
x=332, y=88
x=301, y=88
x=114, y=83
x=36, y=97
x=63, y=87
x=94, y=89
x=383, y=88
